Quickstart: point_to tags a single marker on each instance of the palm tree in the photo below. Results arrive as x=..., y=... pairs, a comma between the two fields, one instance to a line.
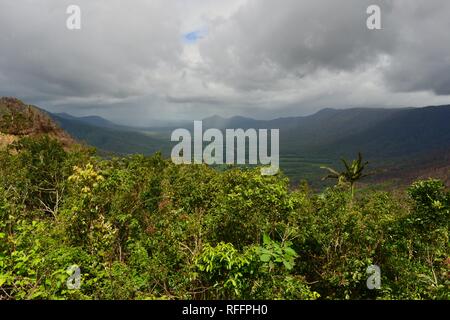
x=353, y=172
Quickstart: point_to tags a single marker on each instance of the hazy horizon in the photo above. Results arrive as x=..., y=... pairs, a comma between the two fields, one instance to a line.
x=168, y=120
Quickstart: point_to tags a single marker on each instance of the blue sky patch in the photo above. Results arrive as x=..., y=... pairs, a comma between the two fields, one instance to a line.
x=194, y=36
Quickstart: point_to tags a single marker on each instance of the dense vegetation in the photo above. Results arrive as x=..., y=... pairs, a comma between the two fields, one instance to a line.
x=143, y=228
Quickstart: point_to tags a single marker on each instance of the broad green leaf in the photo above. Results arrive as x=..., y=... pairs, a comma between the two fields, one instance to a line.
x=265, y=258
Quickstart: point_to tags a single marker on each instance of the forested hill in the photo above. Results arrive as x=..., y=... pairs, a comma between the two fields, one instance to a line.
x=18, y=119
x=413, y=137
x=375, y=132
x=378, y=133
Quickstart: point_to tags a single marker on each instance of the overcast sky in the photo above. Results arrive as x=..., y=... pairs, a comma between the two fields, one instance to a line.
x=138, y=61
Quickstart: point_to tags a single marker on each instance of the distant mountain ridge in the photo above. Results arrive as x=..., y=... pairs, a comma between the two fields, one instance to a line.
x=406, y=132
x=376, y=132
x=389, y=138
x=384, y=132
x=109, y=137
x=92, y=120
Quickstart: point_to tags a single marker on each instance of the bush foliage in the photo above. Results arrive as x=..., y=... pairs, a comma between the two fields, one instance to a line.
x=143, y=228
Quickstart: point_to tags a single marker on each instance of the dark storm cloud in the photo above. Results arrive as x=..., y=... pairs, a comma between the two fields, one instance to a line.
x=109, y=56
x=193, y=99
x=275, y=38
x=283, y=37
x=255, y=57
x=421, y=57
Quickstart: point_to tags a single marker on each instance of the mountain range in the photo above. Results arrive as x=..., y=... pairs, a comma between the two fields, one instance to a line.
x=394, y=140
x=400, y=144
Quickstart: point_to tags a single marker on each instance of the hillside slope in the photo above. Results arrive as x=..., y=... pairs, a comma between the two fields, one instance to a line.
x=405, y=133
x=18, y=119
x=111, y=138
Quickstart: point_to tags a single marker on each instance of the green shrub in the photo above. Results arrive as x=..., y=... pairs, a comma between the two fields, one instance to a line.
x=143, y=228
